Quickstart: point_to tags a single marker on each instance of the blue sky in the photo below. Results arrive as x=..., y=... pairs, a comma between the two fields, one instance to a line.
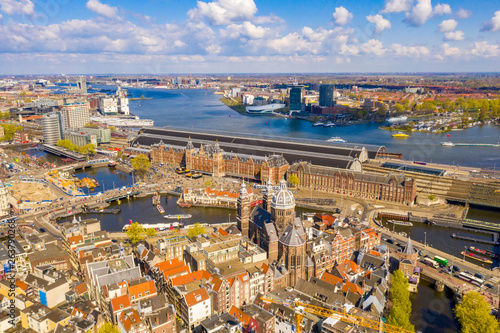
x=248, y=36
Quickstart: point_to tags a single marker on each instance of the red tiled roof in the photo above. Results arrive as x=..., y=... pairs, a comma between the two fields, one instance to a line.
x=240, y=315
x=184, y=279
x=222, y=232
x=169, y=264
x=142, y=288
x=80, y=289
x=21, y=284
x=196, y=297
x=329, y=278
x=75, y=240
x=173, y=273
x=353, y=288
x=346, y=267
x=120, y=303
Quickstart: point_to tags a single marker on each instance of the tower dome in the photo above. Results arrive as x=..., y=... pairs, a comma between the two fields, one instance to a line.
x=283, y=198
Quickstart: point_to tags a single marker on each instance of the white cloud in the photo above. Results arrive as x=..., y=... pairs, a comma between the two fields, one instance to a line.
x=447, y=25
x=342, y=16
x=450, y=51
x=463, y=13
x=373, y=46
x=247, y=29
x=397, y=6
x=409, y=51
x=102, y=9
x=24, y=7
x=223, y=12
x=441, y=9
x=420, y=13
x=493, y=24
x=349, y=50
x=454, y=35
x=483, y=49
x=381, y=23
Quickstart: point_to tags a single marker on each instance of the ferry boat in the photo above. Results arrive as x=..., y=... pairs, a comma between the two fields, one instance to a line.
x=484, y=252
x=157, y=226
x=448, y=144
x=183, y=204
x=400, y=135
x=477, y=257
x=407, y=224
x=330, y=124
x=336, y=139
x=111, y=164
x=178, y=216
x=160, y=209
x=400, y=119
x=318, y=124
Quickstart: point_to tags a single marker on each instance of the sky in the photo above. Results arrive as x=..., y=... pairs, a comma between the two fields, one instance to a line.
x=248, y=36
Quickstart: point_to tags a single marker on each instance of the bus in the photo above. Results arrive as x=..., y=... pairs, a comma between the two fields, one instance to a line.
x=430, y=262
x=471, y=279
x=441, y=261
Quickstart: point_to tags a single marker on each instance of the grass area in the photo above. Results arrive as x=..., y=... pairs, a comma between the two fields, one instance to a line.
x=234, y=104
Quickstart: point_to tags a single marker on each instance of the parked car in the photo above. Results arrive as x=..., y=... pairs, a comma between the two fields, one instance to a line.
x=390, y=241
x=456, y=269
x=42, y=230
x=481, y=276
x=489, y=285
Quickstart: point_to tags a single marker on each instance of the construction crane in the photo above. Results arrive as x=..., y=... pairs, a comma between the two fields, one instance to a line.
x=301, y=307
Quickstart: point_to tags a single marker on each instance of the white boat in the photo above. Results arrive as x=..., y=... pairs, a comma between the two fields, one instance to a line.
x=178, y=216
x=263, y=109
x=400, y=119
x=318, y=124
x=449, y=144
x=157, y=226
x=330, y=124
x=336, y=139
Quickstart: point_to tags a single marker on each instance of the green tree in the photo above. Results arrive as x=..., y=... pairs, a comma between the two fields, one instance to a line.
x=136, y=233
x=399, y=108
x=195, y=230
x=151, y=232
x=401, y=306
x=482, y=114
x=10, y=130
x=108, y=328
x=473, y=314
x=294, y=180
x=112, y=128
x=208, y=183
x=382, y=110
x=141, y=164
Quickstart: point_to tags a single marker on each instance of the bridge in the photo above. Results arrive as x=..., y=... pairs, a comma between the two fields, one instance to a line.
x=63, y=152
x=122, y=196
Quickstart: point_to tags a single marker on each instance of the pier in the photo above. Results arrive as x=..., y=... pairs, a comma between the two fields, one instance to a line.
x=477, y=144
x=103, y=211
x=477, y=240
x=483, y=225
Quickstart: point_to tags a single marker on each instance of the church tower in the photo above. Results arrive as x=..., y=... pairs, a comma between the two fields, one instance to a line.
x=266, y=202
x=243, y=215
x=282, y=208
x=189, y=154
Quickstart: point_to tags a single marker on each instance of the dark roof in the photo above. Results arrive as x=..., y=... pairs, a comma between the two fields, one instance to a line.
x=291, y=237
x=409, y=247
x=317, y=146
x=414, y=168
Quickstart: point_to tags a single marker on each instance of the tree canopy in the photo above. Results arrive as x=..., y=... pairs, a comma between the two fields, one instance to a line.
x=473, y=314
x=108, y=328
x=195, y=230
x=85, y=150
x=141, y=164
x=401, y=305
x=9, y=131
x=294, y=180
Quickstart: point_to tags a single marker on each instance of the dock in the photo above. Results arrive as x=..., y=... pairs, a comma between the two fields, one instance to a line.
x=477, y=144
x=483, y=225
x=477, y=240
x=103, y=211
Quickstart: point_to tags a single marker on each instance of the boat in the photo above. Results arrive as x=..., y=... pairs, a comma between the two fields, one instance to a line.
x=34, y=145
x=160, y=209
x=400, y=135
x=189, y=175
x=400, y=119
x=448, y=144
x=336, y=139
x=484, y=252
x=477, y=257
x=330, y=124
x=66, y=159
x=318, y=124
x=111, y=164
x=183, y=204
x=405, y=223
x=178, y=216
x=157, y=226
x=263, y=109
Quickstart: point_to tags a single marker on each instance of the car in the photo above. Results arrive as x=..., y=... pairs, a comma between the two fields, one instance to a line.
x=481, y=276
x=42, y=230
x=446, y=271
x=456, y=269
x=390, y=241
x=489, y=285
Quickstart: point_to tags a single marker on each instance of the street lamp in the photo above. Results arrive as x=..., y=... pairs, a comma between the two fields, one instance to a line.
x=425, y=238
x=464, y=253
x=229, y=218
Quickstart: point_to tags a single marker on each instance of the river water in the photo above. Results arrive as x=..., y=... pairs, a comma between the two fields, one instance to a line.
x=200, y=109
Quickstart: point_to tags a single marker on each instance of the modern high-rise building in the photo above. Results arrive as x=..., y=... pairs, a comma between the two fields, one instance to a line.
x=53, y=126
x=102, y=135
x=326, y=95
x=76, y=114
x=81, y=84
x=108, y=105
x=295, y=98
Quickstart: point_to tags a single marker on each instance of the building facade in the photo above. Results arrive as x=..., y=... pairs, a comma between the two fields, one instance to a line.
x=295, y=98
x=393, y=188
x=76, y=114
x=53, y=127
x=326, y=95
